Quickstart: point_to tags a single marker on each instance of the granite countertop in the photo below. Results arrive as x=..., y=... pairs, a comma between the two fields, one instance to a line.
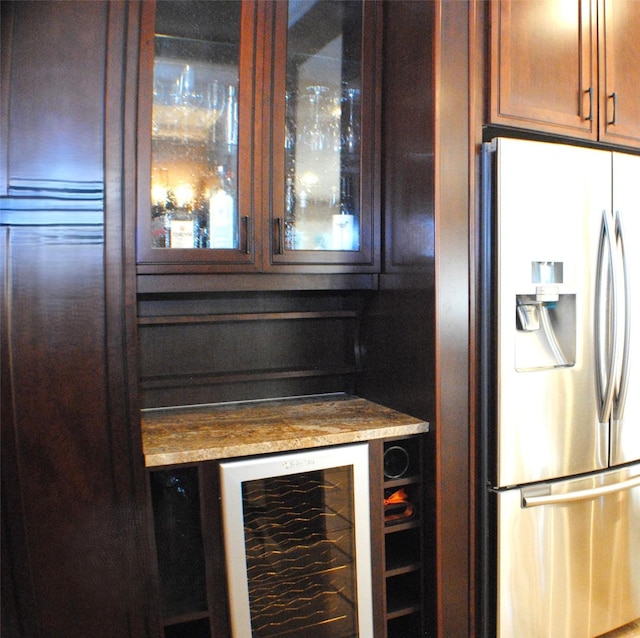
x=205, y=433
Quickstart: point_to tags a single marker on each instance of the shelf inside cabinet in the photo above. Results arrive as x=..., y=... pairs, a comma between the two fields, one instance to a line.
x=198, y=628
x=403, y=594
x=405, y=626
x=402, y=551
x=396, y=483
x=187, y=619
x=392, y=528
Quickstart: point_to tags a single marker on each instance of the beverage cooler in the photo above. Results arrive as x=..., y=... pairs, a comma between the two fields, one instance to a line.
x=297, y=543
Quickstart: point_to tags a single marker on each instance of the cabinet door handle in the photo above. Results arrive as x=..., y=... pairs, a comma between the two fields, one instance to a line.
x=614, y=98
x=589, y=117
x=246, y=222
x=280, y=234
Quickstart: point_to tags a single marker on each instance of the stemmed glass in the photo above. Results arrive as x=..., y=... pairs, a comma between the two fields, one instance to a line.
x=334, y=117
x=214, y=104
x=313, y=133
x=350, y=134
x=290, y=127
x=197, y=106
x=231, y=118
x=185, y=99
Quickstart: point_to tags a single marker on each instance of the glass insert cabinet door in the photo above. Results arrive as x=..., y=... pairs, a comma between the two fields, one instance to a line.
x=261, y=133
x=323, y=153
x=195, y=193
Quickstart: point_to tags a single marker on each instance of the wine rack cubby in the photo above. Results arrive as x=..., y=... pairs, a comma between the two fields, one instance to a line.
x=403, y=537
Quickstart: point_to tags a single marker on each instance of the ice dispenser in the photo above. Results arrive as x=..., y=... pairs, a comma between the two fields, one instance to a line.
x=545, y=321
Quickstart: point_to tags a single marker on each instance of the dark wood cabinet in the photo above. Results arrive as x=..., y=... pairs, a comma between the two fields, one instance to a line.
x=91, y=297
x=197, y=134
x=279, y=173
x=566, y=68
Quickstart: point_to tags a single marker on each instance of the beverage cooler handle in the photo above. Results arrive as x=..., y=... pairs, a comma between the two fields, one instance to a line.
x=621, y=396
x=533, y=498
x=606, y=370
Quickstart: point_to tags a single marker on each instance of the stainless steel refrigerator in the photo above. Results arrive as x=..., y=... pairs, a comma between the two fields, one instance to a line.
x=560, y=389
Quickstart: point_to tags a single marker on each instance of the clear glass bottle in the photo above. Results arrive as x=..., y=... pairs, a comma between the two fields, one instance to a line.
x=222, y=213
x=345, y=234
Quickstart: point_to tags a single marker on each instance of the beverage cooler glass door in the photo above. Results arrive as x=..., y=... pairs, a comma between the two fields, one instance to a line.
x=297, y=543
x=323, y=149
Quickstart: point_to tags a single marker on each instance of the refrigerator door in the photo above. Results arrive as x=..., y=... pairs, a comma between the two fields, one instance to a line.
x=550, y=201
x=625, y=430
x=569, y=556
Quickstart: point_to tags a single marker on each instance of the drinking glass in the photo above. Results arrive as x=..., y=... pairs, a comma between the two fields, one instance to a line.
x=214, y=104
x=313, y=133
x=350, y=135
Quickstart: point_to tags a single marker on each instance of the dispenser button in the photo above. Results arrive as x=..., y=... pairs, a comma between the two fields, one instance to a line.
x=547, y=293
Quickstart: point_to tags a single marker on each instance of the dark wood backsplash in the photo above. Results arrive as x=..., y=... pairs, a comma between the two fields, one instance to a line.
x=241, y=346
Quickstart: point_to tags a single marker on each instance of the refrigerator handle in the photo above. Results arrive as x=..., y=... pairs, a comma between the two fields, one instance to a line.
x=606, y=369
x=621, y=395
x=532, y=497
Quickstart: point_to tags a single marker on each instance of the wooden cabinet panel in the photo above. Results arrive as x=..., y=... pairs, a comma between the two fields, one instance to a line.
x=408, y=161
x=620, y=72
x=57, y=124
x=59, y=426
x=67, y=513
x=52, y=112
x=543, y=66
x=72, y=470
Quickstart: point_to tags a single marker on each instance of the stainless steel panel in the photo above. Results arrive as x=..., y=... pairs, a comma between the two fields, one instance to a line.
x=550, y=200
x=569, y=569
x=625, y=433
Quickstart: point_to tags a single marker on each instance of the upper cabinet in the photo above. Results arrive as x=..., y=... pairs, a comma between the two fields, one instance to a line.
x=256, y=134
x=569, y=68
x=620, y=72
